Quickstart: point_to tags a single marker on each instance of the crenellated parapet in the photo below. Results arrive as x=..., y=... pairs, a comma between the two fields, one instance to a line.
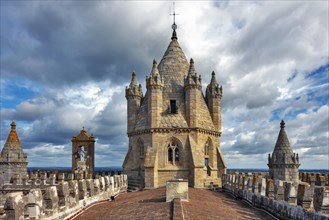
x=63, y=200
x=283, y=199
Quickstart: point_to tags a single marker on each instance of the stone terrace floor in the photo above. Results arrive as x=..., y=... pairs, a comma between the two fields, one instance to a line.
x=151, y=204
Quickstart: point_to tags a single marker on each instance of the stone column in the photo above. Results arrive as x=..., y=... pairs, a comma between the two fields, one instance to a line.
x=96, y=186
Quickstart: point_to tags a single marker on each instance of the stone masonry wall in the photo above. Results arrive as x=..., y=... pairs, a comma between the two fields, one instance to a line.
x=62, y=199
x=285, y=200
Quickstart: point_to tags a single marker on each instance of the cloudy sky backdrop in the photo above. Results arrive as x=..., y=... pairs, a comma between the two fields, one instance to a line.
x=64, y=65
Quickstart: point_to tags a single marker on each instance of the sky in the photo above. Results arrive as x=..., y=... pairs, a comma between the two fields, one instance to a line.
x=65, y=65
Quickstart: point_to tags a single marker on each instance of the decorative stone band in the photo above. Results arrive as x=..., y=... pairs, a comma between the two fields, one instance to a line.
x=134, y=96
x=154, y=86
x=179, y=130
x=192, y=86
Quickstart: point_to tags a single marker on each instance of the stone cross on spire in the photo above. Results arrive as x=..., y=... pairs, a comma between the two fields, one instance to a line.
x=174, y=26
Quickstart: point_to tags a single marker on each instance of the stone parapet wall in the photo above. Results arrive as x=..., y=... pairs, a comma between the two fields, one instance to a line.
x=62, y=199
x=285, y=200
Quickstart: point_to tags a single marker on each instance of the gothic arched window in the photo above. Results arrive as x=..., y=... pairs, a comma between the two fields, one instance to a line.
x=176, y=154
x=170, y=157
x=141, y=150
x=206, y=150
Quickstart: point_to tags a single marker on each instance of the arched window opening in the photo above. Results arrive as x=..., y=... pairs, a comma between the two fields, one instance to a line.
x=176, y=154
x=170, y=157
x=141, y=150
x=82, y=153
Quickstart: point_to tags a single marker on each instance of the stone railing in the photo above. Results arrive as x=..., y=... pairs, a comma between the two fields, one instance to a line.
x=285, y=200
x=318, y=179
x=62, y=199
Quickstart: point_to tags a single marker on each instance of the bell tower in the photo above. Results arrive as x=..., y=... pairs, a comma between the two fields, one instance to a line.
x=83, y=153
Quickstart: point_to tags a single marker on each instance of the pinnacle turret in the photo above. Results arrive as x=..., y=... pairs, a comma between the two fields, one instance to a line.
x=154, y=79
x=192, y=78
x=213, y=89
x=283, y=163
x=134, y=89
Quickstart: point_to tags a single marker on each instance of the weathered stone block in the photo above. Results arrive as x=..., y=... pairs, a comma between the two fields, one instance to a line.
x=35, y=204
x=177, y=189
x=50, y=200
x=278, y=190
x=63, y=193
x=73, y=192
x=14, y=207
x=82, y=189
x=305, y=195
x=90, y=187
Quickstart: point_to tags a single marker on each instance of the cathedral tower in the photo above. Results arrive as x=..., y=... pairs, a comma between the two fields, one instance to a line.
x=173, y=131
x=13, y=160
x=284, y=164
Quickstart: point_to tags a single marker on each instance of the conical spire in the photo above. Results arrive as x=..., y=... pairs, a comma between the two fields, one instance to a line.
x=12, y=150
x=213, y=81
x=133, y=80
x=191, y=71
x=13, y=140
x=282, y=144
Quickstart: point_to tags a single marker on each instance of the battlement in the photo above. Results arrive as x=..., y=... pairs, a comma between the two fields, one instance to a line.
x=283, y=199
x=56, y=198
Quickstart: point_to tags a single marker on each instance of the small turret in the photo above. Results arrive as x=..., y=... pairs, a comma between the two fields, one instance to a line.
x=134, y=96
x=134, y=89
x=154, y=79
x=214, y=96
x=284, y=164
x=192, y=79
x=154, y=85
x=13, y=160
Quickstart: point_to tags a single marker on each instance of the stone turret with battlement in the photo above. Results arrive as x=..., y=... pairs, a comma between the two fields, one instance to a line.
x=13, y=161
x=173, y=130
x=283, y=164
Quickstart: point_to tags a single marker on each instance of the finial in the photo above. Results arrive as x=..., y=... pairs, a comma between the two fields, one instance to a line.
x=174, y=26
x=13, y=125
x=83, y=128
x=133, y=74
x=191, y=61
x=213, y=79
x=282, y=124
x=154, y=62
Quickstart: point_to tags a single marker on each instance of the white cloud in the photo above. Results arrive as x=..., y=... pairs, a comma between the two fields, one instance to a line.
x=82, y=56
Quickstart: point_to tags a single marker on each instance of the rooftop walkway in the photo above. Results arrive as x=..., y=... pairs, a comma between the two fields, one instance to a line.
x=151, y=204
